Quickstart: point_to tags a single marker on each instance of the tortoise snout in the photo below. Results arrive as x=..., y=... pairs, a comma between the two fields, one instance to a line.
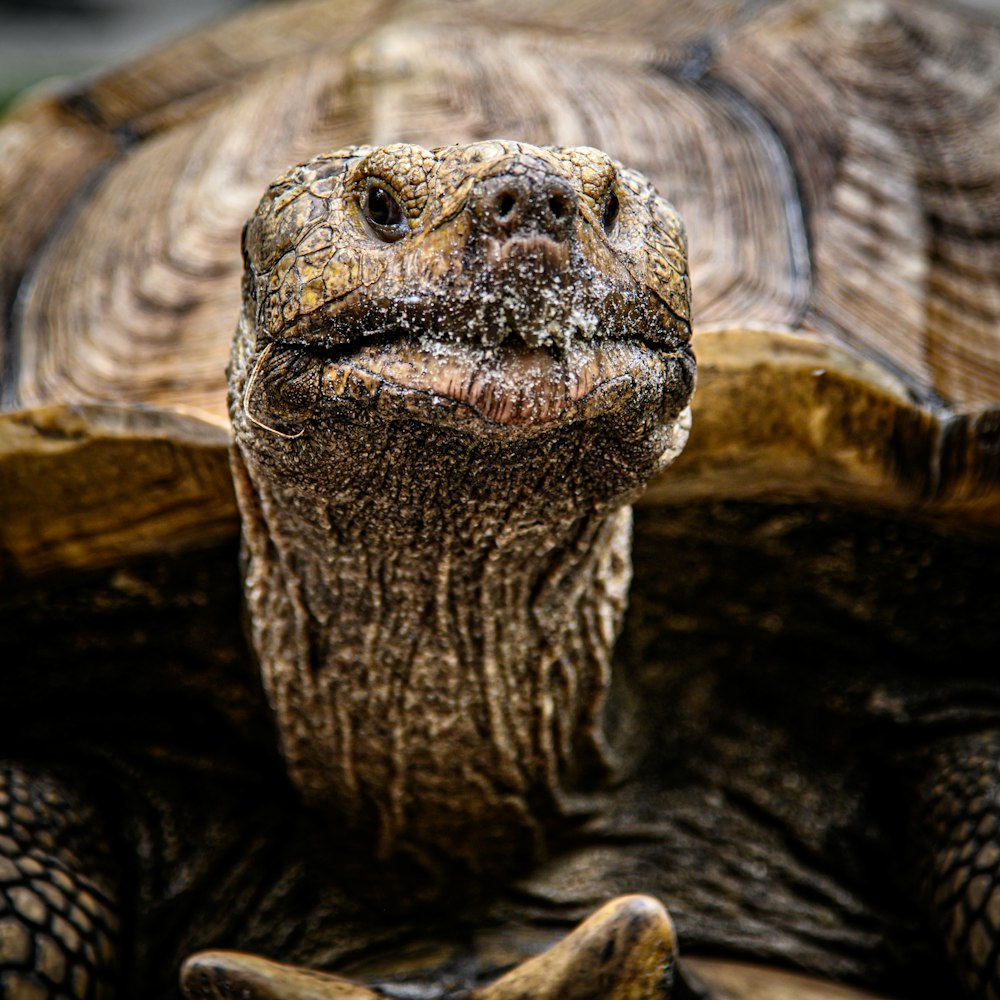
x=527, y=204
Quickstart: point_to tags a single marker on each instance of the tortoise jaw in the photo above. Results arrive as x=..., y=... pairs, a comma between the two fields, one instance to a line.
x=512, y=387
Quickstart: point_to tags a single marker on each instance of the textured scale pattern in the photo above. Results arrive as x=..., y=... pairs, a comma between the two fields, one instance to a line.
x=903, y=214
x=961, y=827
x=316, y=265
x=58, y=922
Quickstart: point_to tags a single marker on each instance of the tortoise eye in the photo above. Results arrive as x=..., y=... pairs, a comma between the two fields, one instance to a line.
x=383, y=213
x=610, y=214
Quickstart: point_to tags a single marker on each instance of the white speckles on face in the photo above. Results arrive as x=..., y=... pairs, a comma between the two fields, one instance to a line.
x=321, y=276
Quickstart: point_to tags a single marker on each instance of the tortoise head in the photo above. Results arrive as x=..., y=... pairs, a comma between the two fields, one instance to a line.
x=504, y=286
x=453, y=369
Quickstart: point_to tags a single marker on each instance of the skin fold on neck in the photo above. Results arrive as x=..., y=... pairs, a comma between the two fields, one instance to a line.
x=438, y=665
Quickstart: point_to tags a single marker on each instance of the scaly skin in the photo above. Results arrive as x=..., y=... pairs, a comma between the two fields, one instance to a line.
x=58, y=905
x=957, y=823
x=438, y=428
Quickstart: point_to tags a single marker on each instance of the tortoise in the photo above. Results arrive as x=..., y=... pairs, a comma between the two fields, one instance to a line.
x=463, y=352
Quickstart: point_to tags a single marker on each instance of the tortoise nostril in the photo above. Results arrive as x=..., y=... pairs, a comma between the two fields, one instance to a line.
x=558, y=206
x=505, y=205
x=525, y=203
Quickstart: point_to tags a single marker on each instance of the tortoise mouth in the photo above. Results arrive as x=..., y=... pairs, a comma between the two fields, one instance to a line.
x=512, y=386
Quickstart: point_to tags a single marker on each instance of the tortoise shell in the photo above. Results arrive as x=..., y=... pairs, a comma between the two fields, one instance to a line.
x=840, y=213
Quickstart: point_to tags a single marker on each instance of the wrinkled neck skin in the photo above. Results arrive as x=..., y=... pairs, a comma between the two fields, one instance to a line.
x=434, y=612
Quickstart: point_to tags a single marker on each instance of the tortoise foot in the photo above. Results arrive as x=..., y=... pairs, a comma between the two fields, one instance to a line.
x=625, y=951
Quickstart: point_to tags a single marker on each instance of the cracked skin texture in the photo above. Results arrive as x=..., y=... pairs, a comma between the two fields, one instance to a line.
x=483, y=388
x=311, y=269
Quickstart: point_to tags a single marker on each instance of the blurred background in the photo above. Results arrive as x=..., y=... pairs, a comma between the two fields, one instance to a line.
x=42, y=39
x=45, y=39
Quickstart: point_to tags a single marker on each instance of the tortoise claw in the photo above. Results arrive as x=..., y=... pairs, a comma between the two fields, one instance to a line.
x=624, y=951
x=223, y=975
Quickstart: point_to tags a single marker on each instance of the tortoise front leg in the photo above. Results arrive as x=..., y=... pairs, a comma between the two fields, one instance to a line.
x=58, y=923
x=958, y=823
x=624, y=951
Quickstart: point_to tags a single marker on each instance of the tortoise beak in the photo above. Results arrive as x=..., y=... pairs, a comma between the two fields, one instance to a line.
x=514, y=386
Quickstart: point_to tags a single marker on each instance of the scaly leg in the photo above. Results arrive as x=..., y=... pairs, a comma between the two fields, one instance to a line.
x=958, y=821
x=58, y=922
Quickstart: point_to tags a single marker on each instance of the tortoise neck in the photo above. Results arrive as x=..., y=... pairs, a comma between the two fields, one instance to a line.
x=438, y=678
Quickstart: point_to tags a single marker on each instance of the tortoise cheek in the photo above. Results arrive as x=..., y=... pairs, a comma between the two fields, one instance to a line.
x=282, y=389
